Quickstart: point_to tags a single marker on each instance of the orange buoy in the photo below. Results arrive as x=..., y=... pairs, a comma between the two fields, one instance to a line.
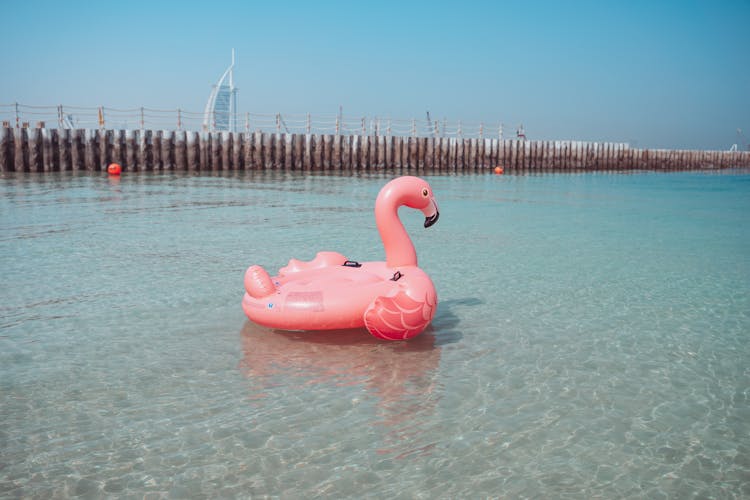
x=114, y=169
x=498, y=169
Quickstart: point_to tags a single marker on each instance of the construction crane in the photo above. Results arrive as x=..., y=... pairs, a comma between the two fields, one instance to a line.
x=521, y=132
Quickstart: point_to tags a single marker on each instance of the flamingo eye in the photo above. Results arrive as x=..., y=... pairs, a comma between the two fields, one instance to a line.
x=425, y=193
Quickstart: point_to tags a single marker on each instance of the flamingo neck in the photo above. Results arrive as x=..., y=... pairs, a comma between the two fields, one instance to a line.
x=399, y=250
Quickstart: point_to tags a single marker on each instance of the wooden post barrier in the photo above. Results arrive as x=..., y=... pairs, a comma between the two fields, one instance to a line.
x=47, y=150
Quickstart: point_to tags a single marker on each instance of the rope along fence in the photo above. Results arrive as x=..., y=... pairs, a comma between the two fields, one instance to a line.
x=18, y=115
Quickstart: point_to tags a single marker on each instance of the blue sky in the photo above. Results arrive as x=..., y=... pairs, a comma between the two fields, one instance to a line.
x=671, y=74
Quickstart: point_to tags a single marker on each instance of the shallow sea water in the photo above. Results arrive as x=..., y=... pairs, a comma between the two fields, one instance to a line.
x=591, y=340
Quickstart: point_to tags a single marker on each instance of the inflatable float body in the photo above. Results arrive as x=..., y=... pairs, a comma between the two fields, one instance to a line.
x=394, y=300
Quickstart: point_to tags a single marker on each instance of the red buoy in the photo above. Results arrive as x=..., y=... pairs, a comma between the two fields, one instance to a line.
x=498, y=170
x=114, y=169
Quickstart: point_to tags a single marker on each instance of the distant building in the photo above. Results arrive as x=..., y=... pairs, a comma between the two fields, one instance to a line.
x=221, y=108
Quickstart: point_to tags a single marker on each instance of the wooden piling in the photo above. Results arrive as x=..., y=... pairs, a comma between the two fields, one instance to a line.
x=104, y=149
x=296, y=143
x=48, y=160
x=167, y=150
x=178, y=150
x=63, y=150
x=316, y=145
x=288, y=157
x=324, y=151
x=35, y=150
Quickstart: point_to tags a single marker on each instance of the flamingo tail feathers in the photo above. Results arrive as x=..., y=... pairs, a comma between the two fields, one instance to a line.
x=258, y=283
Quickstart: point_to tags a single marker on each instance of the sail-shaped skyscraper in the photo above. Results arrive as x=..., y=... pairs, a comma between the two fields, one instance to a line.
x=221, y=108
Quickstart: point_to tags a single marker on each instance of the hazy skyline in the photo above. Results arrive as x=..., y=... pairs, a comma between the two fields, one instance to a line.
x=670, y=74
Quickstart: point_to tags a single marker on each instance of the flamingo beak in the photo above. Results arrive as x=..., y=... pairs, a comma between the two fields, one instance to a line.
x=431, y=213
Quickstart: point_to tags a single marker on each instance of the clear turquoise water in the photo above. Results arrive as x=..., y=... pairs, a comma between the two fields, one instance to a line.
x=592, y=340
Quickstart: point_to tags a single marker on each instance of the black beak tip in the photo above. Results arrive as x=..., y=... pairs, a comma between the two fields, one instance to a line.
x=428, y=221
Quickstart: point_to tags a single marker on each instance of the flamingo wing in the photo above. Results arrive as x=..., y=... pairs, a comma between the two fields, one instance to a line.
x=399, y=317
x=321, y=260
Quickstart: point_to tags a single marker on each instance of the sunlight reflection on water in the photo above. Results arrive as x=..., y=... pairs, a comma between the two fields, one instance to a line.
x=590, y=340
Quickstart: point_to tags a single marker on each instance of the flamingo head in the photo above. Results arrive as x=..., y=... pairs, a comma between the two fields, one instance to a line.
x=413, y=192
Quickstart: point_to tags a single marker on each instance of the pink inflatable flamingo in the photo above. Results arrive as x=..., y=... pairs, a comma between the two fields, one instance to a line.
x=394, y=299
